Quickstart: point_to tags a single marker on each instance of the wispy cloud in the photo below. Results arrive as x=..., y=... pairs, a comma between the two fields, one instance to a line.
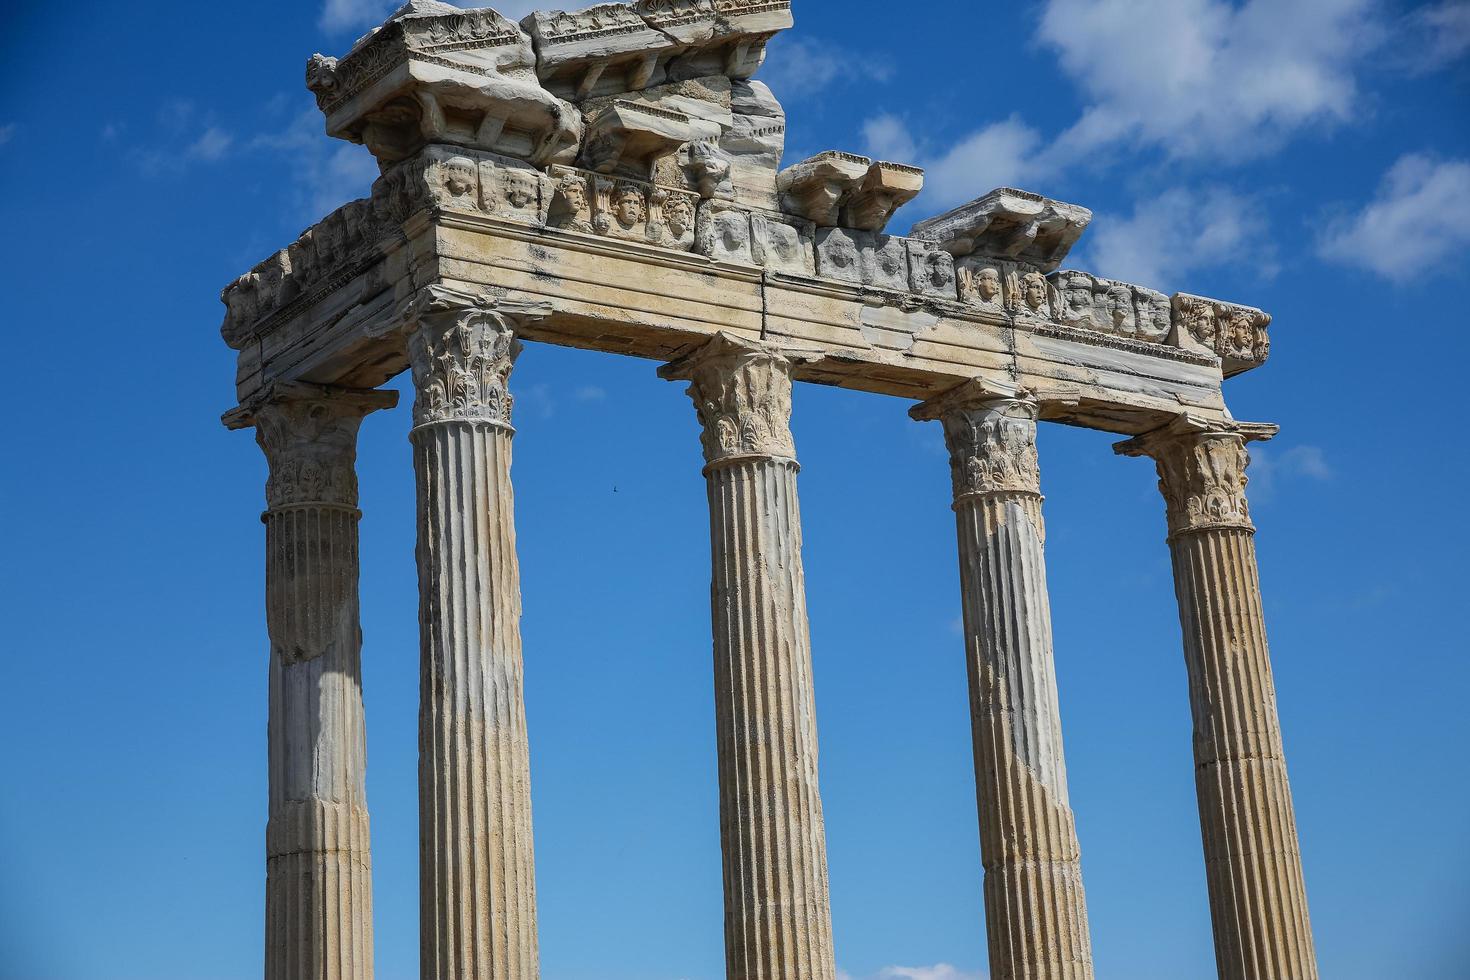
x=212, y=144
x=1418, y=222
x=1438, y=34
x=7, y=133
x=801, y=67
x=939, y=971
x=1272, y=467
x=328, y=173
x=1002, y=153
x=183, y=134
x=591, y=393
x=1178, y=231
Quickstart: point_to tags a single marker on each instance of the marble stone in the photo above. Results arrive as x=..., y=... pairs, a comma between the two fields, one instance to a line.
x=1012, y=224
x=319, y=894
x=777, y=909
x=477, y=870
x=1258, y=897
x=1035, y=907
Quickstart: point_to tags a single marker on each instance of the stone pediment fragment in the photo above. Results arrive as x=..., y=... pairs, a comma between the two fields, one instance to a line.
x=816, y=188
x=603, y=49
x=628, y=137
x=1012, y=224
x=843, y=189
x=614, y=48
x=885, y=188
x=438, y=74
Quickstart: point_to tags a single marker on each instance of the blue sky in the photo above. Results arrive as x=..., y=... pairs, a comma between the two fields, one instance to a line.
x=1311, y=157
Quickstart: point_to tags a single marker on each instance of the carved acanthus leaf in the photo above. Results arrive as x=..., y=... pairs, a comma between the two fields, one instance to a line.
x=990, y=430
x=1202, y=470
x=741, y=390
x=462, y=347
x=309, y=436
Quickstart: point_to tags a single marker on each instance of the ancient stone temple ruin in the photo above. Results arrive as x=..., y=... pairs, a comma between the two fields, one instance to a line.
x=613, y=179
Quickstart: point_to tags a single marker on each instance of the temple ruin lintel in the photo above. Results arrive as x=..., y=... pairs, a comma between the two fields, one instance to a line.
x=646, y=209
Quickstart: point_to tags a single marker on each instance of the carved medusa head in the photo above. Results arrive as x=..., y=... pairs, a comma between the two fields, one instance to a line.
x=628, y=205
x=1034, y=291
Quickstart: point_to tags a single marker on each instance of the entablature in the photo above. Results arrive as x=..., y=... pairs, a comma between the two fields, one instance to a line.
x=647, y=208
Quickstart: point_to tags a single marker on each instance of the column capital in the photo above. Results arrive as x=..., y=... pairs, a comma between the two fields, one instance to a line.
x=990, y=429
x=462, y=346
x=1202, y=470
x=741, y=390
x=309, y=436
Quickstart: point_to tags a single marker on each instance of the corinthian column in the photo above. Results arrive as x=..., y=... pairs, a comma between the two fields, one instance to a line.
x=319, y=898
x=477, y=875
x=1258, y=899
x=1035, y=908
x=778, y=922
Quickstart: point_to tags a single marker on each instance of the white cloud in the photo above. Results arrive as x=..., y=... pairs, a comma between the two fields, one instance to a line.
x=1002, y=153
x=1418, y=222
x=182, y=136
x=939, y=971
x=7, y=133
x=212, y=144
x=1178, y=231
x=1207, y=77
x=328, y=173
x=799, y=67
x=591, y=393
x=888, y=136
x=1440, y=34
x=1272, y=466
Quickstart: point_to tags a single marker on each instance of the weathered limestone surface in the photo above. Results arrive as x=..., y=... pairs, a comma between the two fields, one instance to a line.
x=1258, y=897
x=477, y=874
x=319, y=897
x=1036, y=910
x=777, y=911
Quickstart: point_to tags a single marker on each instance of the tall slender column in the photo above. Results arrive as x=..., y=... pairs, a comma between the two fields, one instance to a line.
x=1258, y=898
x=778, y=922
x=477, y=874
x=1035, y=907
x=319, y=899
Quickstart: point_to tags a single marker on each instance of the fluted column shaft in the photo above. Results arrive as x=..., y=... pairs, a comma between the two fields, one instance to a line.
x=319, y=904
x=477, y=874
x=1035, y=906
x=777, y=911
x=1253, y=866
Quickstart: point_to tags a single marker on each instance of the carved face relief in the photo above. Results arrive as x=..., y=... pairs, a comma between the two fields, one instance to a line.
x=935, y=270
x=678, y=215
x=889, y=262
x=732, y=233
x=987, y=284
x=628, y=205
x=520, y=190
x=1077, y=291
x=458, y=177
x=1154, y=318
x=1242, y=331
x=571, y=198
x=1033, y=291
x=1120, y=310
